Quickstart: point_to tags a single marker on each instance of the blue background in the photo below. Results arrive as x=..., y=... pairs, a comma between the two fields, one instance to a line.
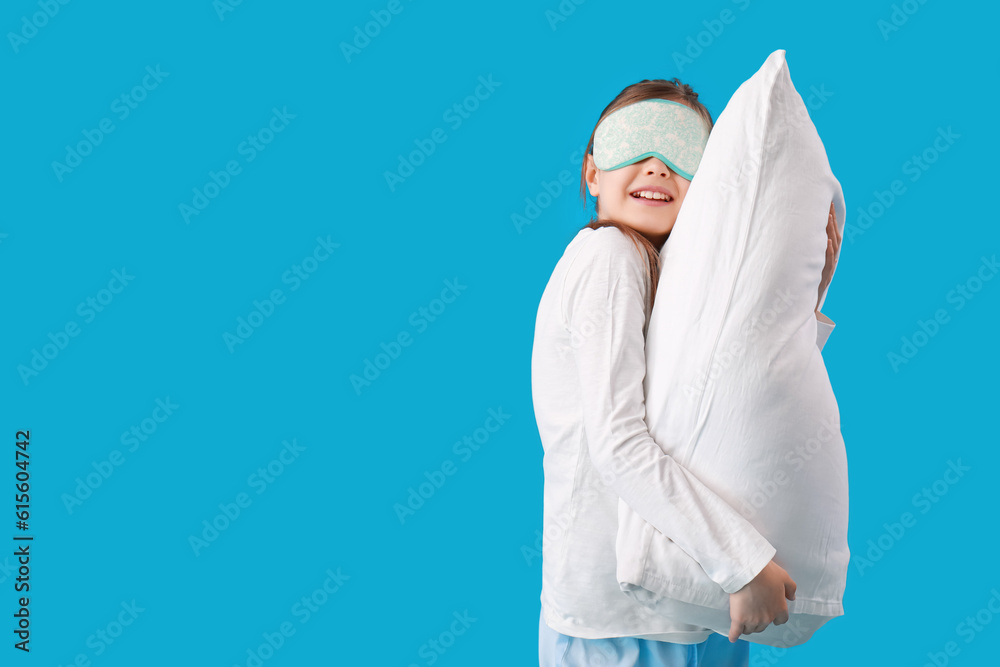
x=468, y=547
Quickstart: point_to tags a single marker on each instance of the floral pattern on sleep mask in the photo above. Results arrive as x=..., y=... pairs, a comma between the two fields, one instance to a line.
x=671, y=131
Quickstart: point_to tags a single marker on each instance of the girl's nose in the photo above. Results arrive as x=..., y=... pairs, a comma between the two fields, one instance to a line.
x=656, y=166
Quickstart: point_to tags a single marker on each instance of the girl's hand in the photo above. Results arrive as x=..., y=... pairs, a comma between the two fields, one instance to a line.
x=761, y=602
x=832, y=253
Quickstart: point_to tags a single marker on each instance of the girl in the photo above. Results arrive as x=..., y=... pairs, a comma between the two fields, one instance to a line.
x=587, y=369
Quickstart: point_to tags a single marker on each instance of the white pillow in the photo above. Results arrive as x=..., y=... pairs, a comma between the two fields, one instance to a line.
x=736, y=388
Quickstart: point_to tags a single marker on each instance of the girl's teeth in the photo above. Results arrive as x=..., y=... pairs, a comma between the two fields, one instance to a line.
x=652, y=195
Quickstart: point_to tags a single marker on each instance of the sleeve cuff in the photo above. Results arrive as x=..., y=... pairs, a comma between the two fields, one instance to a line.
x=754, y=568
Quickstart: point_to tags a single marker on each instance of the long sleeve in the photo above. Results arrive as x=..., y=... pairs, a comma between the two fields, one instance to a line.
x=824, y=327
x=603, y=302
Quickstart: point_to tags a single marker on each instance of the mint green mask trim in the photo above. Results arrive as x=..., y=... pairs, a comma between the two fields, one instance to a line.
x=673, y=132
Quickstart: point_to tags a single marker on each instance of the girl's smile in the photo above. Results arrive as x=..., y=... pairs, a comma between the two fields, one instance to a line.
x=652, y=195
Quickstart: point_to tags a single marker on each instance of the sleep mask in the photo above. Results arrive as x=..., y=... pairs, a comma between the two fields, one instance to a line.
x=671, y=131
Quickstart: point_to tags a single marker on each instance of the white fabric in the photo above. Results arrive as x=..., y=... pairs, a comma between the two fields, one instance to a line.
x=587, y=369
x=736, y=391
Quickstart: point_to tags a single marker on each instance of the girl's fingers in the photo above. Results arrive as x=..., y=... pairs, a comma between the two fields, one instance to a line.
x=832, y=221
x=840, y=236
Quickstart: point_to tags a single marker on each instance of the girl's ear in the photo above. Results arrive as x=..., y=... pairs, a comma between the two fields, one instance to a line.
x=592, y=186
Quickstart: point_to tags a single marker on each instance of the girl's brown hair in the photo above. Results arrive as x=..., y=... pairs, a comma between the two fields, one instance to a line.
x=646, y=89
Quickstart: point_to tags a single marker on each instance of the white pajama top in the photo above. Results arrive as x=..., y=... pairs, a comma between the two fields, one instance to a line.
x=587, y=370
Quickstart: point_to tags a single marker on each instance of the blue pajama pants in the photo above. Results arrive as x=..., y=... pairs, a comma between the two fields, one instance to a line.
x=558, y=650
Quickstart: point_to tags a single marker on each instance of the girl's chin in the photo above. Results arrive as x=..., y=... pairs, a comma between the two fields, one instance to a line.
x=657, y=232
x=651, y=226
